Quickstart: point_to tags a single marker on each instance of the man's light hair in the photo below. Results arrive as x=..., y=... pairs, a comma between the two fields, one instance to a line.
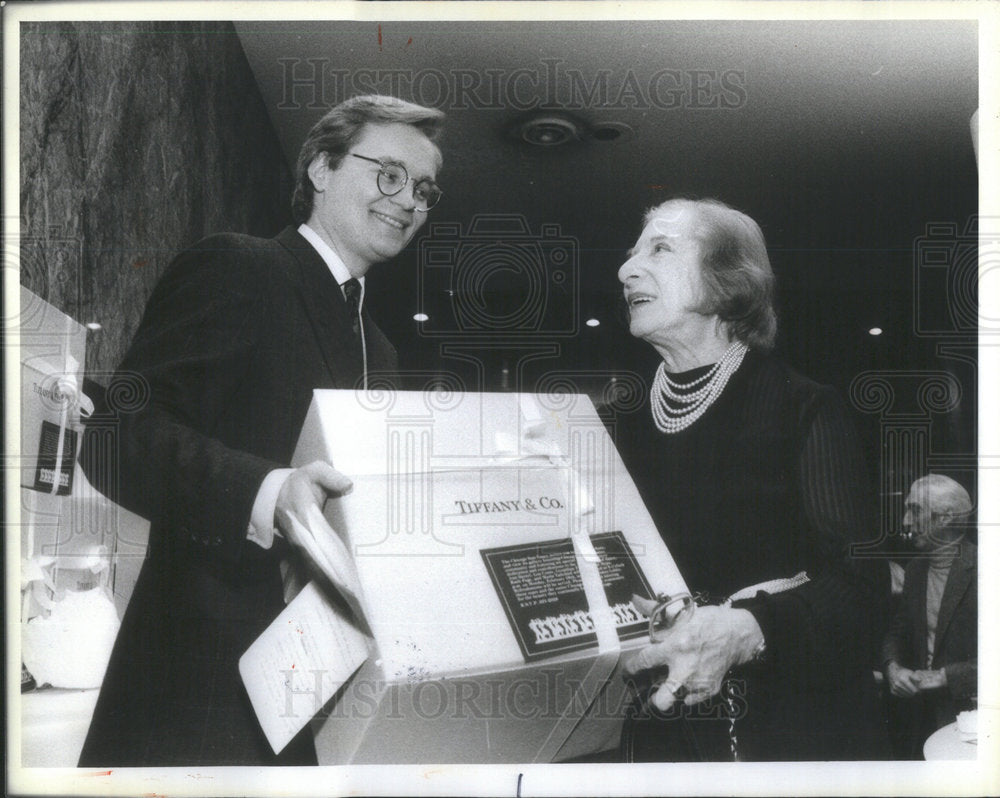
x=944, y=495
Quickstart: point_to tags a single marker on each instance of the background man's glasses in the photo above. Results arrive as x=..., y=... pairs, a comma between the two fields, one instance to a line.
x=392, y=178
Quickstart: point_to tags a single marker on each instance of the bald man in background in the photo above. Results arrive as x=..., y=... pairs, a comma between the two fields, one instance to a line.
x=930, y=653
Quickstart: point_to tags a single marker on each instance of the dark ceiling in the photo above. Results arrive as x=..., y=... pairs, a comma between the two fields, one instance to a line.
x=847, y=141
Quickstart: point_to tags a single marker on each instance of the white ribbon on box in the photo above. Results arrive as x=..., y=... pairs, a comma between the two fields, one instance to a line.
x=71, y=398
x=588, y=560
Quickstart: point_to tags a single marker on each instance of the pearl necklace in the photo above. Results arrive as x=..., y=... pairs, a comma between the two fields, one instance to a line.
x=695, y=397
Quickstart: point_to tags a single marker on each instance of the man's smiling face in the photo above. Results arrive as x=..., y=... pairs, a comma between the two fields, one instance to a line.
x=360, y=223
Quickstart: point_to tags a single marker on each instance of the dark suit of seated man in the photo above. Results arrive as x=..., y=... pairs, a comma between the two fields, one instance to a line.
x=930, y=652
x=235, y=338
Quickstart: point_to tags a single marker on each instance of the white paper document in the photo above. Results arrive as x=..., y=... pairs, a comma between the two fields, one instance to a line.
x=328, y=553
x=299, y=663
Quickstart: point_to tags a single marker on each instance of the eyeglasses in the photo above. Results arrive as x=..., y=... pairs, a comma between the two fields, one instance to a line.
x=393, y=178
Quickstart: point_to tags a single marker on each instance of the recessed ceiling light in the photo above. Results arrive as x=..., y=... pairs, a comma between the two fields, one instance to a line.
x=611, y=131
x=420, y=317
x=593, y=323
x=875, y=331
x=93, y=325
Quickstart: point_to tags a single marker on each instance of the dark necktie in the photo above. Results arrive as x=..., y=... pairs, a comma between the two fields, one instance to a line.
x=352, y=293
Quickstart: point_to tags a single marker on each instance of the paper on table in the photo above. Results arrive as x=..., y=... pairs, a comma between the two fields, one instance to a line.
x=300, y=661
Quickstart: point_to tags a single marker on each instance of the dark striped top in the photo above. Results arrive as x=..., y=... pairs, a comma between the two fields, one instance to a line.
x=769, y=482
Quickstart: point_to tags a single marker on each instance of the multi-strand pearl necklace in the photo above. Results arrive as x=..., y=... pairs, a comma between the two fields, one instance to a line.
x=677, y=406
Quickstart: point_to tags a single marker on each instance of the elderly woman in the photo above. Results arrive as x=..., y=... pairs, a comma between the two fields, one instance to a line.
x=752, y=474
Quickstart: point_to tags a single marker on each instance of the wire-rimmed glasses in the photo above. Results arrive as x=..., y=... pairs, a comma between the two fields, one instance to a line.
x=393, y=178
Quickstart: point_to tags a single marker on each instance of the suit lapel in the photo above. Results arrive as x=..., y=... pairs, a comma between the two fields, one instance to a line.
x=959, y=579
x=918, y=598
x=325, y=305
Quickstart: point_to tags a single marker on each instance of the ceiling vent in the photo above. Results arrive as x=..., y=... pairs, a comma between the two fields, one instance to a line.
x=552, y=129
x=549, y=130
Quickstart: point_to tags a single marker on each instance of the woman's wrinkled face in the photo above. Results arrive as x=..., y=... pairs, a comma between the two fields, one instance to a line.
x=662, y=278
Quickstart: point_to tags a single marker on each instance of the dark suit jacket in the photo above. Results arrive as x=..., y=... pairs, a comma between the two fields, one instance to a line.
x=237, y=334
x=955, y=642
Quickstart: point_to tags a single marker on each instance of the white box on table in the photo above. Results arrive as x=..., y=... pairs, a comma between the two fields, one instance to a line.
x=438, y=478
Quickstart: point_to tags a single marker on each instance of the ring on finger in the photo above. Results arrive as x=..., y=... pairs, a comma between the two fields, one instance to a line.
x=676, y=689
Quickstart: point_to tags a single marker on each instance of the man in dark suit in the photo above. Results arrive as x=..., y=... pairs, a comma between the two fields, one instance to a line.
x=235, y=338
x=930, y=652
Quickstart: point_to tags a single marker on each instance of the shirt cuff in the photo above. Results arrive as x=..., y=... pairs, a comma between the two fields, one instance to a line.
x=261, y=530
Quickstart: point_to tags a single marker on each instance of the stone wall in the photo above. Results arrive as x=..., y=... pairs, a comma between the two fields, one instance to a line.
x=137, y=139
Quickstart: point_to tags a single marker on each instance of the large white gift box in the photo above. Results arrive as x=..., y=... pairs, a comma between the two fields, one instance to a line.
x=482, y=527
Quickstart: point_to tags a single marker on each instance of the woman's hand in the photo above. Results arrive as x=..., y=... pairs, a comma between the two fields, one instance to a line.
x=698, y=652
